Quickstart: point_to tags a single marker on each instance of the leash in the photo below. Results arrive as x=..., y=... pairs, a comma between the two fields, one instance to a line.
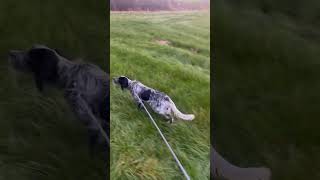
x=164, y=139
x=104, y=135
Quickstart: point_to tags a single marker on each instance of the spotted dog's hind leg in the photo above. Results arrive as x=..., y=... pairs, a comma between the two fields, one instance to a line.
x=170, y=113
x=170, y=118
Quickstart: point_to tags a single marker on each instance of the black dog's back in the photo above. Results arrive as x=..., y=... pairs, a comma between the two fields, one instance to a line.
x=94, y=86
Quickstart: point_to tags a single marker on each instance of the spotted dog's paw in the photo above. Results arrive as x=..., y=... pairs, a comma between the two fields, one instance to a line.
x=140, y=106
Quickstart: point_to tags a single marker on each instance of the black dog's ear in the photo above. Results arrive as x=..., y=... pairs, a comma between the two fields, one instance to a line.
x=145, y=96
x=44, y=65
x=123, y=81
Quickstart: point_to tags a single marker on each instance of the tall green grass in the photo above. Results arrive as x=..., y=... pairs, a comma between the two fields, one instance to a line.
x=39, y=136
x=180, y=69
x=267, y=89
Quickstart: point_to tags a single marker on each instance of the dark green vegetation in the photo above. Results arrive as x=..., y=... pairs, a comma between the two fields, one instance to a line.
x=168, y=51
x=267, y=85
x=39, y=136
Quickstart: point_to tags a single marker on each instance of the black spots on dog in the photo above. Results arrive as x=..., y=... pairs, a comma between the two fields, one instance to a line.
x=123, y=81
x=145, y=95
x=44, y=65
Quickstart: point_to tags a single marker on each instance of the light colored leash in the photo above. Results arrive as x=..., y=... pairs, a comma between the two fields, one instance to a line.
x=164, y=139
x=103, y=133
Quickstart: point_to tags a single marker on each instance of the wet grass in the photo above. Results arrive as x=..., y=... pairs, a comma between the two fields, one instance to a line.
x=39, y=136
x=267, y=89
x=180, y=69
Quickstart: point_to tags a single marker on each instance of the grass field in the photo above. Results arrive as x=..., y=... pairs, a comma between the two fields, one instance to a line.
x=267, y=85
x=168, y=51
x=39, y=136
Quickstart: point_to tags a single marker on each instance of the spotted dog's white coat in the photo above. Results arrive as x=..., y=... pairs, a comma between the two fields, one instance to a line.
x=158, y=101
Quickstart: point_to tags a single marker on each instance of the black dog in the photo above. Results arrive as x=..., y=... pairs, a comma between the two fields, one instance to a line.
x=86, y=86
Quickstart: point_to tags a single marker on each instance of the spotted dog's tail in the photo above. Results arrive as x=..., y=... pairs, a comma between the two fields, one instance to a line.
x=180, y=115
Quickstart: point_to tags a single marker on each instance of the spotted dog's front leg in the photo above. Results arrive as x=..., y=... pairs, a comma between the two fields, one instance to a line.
x=137, y=100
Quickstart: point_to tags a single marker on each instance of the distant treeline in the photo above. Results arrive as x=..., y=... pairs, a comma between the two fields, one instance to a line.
x=153, y=5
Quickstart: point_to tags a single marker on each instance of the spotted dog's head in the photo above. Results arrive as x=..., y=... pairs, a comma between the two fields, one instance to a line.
x=40, y=60
x=122, y=81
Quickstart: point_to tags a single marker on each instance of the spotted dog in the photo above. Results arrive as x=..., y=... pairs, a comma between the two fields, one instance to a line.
x=158, y=101
x=85, y=86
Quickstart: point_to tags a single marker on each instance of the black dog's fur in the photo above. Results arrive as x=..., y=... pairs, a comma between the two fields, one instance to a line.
x=86, y=86
x=44, y=65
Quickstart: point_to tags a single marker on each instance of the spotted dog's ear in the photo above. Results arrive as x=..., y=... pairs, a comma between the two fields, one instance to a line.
x=145, y=96
x=44, y=65
x=123, y=81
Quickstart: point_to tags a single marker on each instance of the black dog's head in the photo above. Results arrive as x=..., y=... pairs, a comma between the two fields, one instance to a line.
x=40, y=60
x=122, y=81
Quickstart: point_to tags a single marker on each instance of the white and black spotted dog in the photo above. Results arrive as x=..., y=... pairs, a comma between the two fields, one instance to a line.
x=158, y=101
